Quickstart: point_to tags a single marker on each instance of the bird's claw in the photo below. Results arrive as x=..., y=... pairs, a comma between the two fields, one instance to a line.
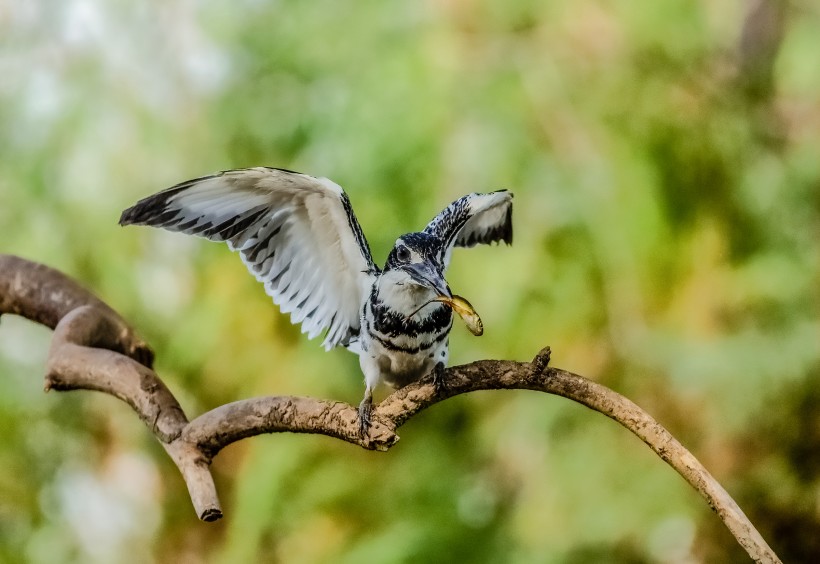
x=365, y=410
x=439, y=380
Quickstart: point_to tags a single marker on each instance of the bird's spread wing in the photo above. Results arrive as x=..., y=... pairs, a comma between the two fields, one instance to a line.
x=296, y=234
x=473, y=219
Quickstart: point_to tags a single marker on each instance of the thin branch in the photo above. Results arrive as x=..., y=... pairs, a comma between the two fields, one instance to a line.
x=94, y=349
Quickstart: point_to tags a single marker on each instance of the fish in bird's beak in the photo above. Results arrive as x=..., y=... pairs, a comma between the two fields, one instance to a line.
x=464, y=309
x=425, y=274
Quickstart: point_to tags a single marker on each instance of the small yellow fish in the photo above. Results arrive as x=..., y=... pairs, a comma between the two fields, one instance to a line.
x=464, y=309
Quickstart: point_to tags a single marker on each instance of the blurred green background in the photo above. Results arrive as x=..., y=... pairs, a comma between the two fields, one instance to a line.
x=665, y=160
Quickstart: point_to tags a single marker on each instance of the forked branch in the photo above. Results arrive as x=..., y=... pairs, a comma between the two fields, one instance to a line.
x=93, y=348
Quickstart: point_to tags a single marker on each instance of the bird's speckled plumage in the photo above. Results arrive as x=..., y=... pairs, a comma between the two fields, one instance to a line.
x=298, y=235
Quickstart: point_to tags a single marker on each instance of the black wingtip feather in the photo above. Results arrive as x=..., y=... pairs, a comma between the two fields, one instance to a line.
x=142, y=211
x=148, y=209
x=125, y=217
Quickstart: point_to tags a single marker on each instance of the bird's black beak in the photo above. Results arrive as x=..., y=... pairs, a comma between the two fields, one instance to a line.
x=427, y=275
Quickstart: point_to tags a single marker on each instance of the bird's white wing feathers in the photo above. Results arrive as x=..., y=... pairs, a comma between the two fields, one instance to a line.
x=473, y=219
x=296, y=234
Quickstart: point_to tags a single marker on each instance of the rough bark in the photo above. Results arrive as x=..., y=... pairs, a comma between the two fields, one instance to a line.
x=93, y=348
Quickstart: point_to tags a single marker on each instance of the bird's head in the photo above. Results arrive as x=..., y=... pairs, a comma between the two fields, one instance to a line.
x=415, y=258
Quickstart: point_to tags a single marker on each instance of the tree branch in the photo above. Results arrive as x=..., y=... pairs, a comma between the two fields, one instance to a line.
x=94, y=349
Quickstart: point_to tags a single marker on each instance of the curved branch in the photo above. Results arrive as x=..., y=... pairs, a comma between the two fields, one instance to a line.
x=42, y=294
x=81, y=358
x=94, y=349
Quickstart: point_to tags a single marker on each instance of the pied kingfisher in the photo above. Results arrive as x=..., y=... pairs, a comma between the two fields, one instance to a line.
x=298, y=235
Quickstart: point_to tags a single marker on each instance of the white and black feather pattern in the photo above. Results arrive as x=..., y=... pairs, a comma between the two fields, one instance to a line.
x=297, y=234
x=473, y=219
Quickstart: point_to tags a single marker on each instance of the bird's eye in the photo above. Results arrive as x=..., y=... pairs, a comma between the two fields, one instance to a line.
x=403, y=254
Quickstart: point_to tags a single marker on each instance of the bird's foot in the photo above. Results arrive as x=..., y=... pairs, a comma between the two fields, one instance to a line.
x=439, y=380
x=365, y=409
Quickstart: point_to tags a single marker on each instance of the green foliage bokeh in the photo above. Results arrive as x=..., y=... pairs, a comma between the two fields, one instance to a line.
x=667, y=219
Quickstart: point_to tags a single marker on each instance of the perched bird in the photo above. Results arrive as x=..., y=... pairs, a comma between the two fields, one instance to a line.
x=298, y=235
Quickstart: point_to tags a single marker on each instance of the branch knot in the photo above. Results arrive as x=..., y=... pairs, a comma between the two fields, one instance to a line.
x=542, y=360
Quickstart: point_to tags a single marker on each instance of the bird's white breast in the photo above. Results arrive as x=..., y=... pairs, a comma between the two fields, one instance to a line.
x=398, y=348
